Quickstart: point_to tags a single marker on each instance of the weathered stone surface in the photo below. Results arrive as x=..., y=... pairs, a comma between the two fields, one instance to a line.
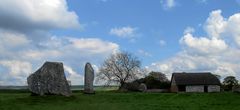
x=88, y=79
x=142, y=87
x=49, y=79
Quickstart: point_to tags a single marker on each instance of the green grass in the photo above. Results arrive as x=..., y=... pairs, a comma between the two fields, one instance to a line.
x=21, y=100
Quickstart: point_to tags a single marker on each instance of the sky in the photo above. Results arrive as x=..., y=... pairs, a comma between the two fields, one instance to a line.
x=166, y=35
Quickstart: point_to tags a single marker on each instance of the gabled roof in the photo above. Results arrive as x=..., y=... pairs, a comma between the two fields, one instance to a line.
x=195, y=79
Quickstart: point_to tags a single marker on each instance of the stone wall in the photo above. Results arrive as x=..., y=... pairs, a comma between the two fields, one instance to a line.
x=199, y=88
x=174, y=87
x=213, y=88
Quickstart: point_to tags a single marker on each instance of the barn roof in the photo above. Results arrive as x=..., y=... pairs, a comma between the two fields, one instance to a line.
x=195, y=79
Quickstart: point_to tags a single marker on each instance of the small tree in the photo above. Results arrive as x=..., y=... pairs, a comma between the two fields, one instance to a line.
x=229, y=82
x=156, y=80
x=119, y=68
x=158, y=76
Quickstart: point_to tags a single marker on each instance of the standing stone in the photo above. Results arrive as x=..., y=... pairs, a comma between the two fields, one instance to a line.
x=49, y=79
x=88, y=79
x=142, y=87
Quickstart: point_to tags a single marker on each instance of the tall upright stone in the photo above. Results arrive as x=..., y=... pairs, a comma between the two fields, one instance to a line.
x=49, y=79
x=88, y=79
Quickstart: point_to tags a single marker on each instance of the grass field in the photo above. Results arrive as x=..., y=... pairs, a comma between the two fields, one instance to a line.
x=109, y=100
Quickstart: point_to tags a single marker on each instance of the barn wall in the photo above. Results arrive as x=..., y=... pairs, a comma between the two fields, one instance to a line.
x=173, y=86
x=213, y=88
x=199, y=88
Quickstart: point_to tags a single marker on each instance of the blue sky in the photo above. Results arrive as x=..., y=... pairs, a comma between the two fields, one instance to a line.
x=166, y=35
x=154, y=23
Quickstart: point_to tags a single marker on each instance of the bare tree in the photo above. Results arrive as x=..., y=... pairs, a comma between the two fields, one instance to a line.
x=119, y=68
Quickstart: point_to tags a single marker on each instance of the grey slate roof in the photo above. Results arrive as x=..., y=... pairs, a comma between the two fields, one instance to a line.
x=195, y=79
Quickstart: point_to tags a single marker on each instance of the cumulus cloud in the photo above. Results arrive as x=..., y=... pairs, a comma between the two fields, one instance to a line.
x=203, y=45
x=20, y=56
x=124, y=32
x=226, y=28
x=189, y=30
x=92, y=45
x=214, y=52
x=36, y=14
x=233, y=26
x=185, y=62
x=12, y=39
x=215, y=24
x=73, y=76
x=10, y=42
x=17, y=63
x=14, y=72
x=168, y=4
x=26, y=42
x=73, y=52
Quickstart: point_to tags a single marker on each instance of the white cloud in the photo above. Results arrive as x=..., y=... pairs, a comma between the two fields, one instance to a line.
x=214, y=53
x=162, y=42
x=69, y=47
x=185, y=62
x=14, y=72
x=12, y=39
x=26, y=42
x=95, y=68
x=215, y=24
x=92, y=45
x=189, y=30
x=73, y=76
x=36, y=14
x=124, y=32
x=203, y=45
x=17, y=68
x=226, y=28
x=233, y=26
x=37, y=54
x=168, y=4
x=19, y=59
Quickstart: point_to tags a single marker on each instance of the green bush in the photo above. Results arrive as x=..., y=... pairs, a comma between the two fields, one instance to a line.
x=152, y=83
x=155, y=80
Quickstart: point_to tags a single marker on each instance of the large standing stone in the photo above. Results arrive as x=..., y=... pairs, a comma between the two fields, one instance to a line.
x=49, y=79
x=88, y=79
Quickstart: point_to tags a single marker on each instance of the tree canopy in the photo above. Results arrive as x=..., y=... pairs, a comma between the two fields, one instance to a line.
x=120, y=68
x=229, y=82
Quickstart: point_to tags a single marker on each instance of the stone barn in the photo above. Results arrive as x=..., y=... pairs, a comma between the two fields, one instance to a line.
x=194, y=82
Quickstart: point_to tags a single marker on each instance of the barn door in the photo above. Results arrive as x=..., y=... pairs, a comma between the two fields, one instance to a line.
x=182, y=88
x=205, y=88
